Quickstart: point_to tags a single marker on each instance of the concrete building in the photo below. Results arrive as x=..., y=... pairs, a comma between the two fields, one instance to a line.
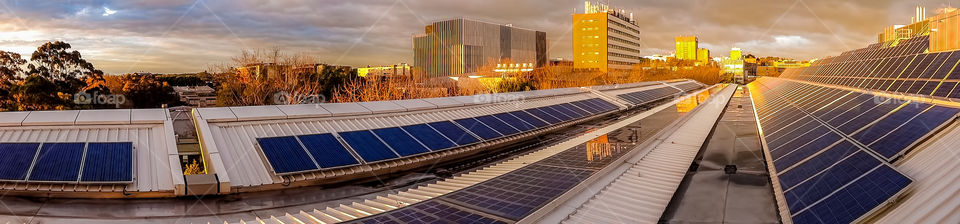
x=401, y=69
x=687, y=47
x=605, y=39
x=736, y=53
x=198, y=96
x=461, y=47
x=703, y=55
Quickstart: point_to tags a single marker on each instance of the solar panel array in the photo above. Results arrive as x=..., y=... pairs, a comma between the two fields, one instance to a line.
x=515, y=195
x=830, y=147
x=306, y=153
x=902, y=67
x=67, y=162
x=650, y=95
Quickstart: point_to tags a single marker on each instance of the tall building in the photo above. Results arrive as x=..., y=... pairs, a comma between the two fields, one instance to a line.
x=736, y=53
x=401, y=69
x=461, y=47
x=605, y=39
x=703, y=55
x=687, y=47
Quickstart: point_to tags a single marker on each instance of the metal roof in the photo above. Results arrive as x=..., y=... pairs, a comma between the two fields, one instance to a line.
x=157, y=166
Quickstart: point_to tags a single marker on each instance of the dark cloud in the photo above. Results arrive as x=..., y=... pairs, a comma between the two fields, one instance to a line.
x=188, y=35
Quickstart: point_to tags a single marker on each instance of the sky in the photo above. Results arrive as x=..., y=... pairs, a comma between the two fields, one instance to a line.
x=181, y=36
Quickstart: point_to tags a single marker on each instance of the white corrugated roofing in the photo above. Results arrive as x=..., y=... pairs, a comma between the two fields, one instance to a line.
x=935, y=194
x=303, y=110
x=231, y=145
x=641, y=192
x=156, y=162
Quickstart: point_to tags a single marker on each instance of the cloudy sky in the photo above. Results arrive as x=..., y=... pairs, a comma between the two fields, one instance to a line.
x=172, y=36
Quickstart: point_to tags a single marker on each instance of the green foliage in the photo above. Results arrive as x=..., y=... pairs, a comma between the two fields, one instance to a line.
x=48, y=80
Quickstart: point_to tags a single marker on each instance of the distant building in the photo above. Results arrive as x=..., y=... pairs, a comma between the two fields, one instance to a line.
x=605, y=39
x=402, y=69
x=461, y=47
x=561, y=62
x=687, y=47
x=197, y=96
x=703, y=55
x=736, y=53
x=266, y=70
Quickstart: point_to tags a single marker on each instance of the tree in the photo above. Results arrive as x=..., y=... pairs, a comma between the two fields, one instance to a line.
x=11, y=71
x=142, y=91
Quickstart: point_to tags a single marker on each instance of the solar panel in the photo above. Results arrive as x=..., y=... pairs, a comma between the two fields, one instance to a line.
x=883, y=126
x=517, y=194
x=553, y=110
x=579, y=112
x=16, y=159
x=586, y=106
x=108, y=162
x=530, y=119
x=286, y=155
x=367, y=146
x=454, y=132
x=429, y=137
x=911, y=131
x=853, y=201
x=478, y=128
x=400, y=141
x=431, y=211
x=544, y=115
x=514, y=121
x=59, y=162
x=497, y=124
x=806, y=150
x=820, y=162
x=327, y=151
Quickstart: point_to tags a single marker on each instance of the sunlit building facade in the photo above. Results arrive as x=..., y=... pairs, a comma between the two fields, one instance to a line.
x=686, y=47
x=605, y=39
x=461, y=47
x=401, y=69
x=703, y=55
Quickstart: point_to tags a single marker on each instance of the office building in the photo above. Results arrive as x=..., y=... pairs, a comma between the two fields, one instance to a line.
x=736, y=53
x=401, y=69
x=605, y=39
x=687, y=47
x=703, y=55
x=461, y=47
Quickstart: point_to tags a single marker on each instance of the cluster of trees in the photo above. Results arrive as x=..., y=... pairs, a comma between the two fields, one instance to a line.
x=259, y=77
x=49, y=80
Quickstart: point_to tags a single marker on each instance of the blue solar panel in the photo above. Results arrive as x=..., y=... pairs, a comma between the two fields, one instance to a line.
x=901, y=138
x=887, y=124
x=580, y=112
x=454, y=132
x=400, y=141
x=543, y=115
x=530, y=119
x=601, y=105
x=820, y=185
x=430, y=137
x=497, y=124
x=816, y=164
x=586, y=106
x=867, y=117
x=856, y=199
x=16, y=159
x=553, y=110
x=514, y=121
x=58, y=162
x=327, y=151
x=517, y=194
x=108, y=162
x=478, y=128
x=806, y=150
x=368, y=146
x=286, y=155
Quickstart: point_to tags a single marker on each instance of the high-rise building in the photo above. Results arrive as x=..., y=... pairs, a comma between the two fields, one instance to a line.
x=461, y=47
x=703, y=55
x=605, y=39
x=687, y=47
x=736, y=53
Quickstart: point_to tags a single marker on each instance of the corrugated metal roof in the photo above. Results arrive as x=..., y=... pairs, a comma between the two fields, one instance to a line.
x=642, y=192
x=935, y=194
x=156, y=169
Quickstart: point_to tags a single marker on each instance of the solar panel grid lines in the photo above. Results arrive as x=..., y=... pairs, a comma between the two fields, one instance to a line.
x=475, y=126
x=17, y=161
x=58, y=162
x=107, y=162
x=863, y=196
x=368, y=145
x=430, y=137
x=327, y=151
x=496, y=124
x=455, y=132
x=400, y=141
x=286, y=155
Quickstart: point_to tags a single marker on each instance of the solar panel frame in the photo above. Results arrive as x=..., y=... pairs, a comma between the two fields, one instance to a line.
x=57, y=170
x=4, y=161
x=448, y=128
x=400, y=141
x=365, y=144
x=283, y=170
x=331, y=146
x=123, y=177
x=429, y=136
